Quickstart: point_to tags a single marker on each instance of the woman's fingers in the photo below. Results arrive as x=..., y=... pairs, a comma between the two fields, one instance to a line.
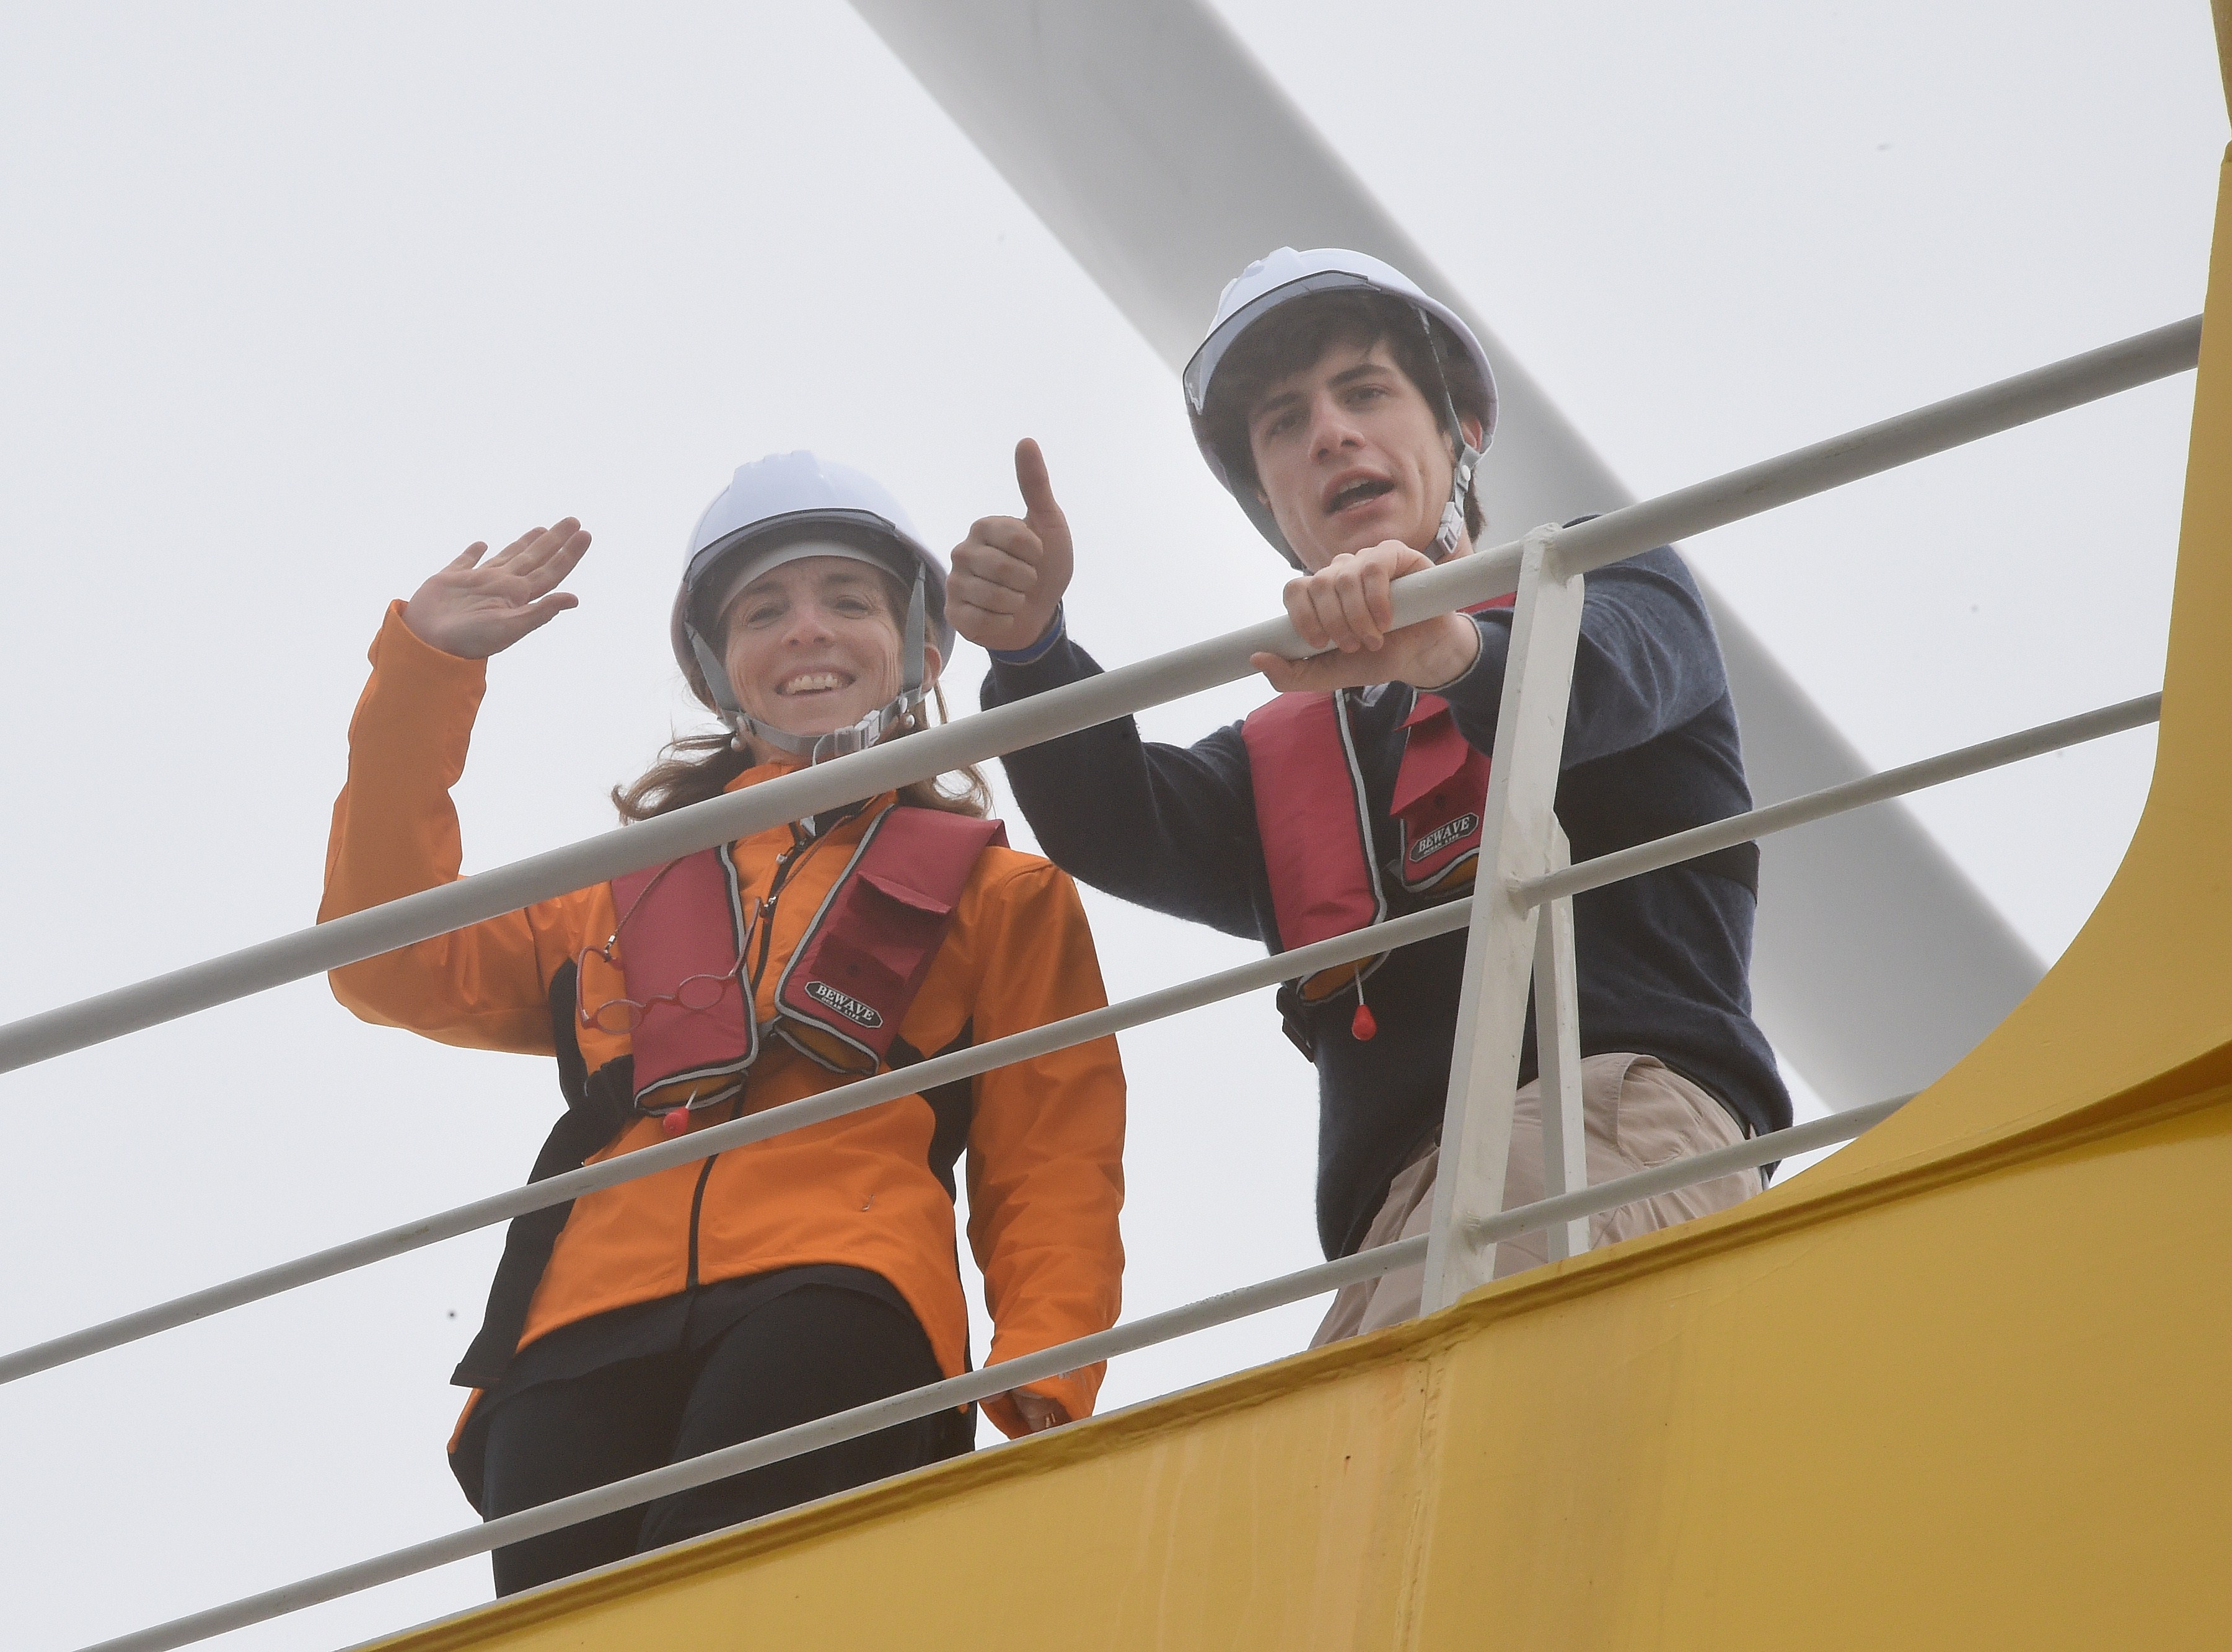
x=534, y=547
x=529, y=568
x=545, y=567
x=497, y=629
x=1037, y=1412
x=547, y=544
x=539, y=613
x=474, y=608
x=512, y=551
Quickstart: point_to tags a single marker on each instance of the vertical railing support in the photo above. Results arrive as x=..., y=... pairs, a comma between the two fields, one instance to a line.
x=1558, y=1048
x=1517, y=842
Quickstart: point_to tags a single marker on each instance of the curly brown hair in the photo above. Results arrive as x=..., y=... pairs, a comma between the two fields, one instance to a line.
x=693, y=768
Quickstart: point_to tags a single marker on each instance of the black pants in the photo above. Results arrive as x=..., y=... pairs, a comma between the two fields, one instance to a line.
x=806, y=1354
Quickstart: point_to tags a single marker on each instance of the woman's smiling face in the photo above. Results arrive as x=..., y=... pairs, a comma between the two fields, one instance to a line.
x=811, y=646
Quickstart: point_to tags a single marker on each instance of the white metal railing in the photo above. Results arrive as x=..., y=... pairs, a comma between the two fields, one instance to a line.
x=1952, y=423
x=704, y=1143
x=1055, y=1035
x=1522, y=879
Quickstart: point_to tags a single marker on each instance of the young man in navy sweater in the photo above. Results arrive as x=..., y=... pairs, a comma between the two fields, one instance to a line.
x=1346, y=411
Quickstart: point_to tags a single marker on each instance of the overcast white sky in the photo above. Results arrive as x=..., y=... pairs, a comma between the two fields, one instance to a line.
x=296, y=302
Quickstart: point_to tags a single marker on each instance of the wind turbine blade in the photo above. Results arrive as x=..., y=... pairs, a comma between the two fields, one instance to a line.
x=1158, y=151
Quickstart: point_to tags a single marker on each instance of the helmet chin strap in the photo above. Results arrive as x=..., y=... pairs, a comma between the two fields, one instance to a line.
x=838, y=742
x=1451, y=534
x=1452, y=531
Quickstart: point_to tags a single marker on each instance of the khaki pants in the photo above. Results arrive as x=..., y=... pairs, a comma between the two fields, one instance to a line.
x=1636, y=1112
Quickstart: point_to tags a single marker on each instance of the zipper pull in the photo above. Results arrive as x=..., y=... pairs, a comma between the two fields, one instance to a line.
x=1363, y=1025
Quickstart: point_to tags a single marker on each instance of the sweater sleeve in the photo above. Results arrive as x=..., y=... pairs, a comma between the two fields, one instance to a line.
x=1647, y=662
x=395, y=832
x=1172, y=828
x=1046, y=1146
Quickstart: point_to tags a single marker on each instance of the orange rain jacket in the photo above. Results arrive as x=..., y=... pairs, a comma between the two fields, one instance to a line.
x=1045, y=1142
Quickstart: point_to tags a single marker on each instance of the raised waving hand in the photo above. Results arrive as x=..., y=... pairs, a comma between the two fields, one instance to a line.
x=474, y=609
x=1009, y=573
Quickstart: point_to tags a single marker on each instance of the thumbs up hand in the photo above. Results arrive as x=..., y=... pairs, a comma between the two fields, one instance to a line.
x=1009, y=575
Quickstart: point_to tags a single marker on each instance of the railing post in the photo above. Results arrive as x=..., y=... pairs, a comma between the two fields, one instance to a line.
x=1517, y=842
x=1558, y=1048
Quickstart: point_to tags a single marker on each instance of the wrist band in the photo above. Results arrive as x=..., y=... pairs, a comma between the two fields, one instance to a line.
x=1038, y=650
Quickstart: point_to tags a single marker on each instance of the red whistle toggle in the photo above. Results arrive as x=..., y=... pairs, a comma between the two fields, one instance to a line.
x=1363, y=1026
x=675, y=1121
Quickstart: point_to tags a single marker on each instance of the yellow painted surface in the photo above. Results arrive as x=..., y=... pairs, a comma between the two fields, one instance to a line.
x=1986, y=1412
x=1967, y=1384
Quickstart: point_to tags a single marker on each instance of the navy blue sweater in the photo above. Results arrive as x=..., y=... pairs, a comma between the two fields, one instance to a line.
x=1651, y=747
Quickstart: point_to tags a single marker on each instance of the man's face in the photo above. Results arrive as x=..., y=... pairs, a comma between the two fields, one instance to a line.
x=1348, y=454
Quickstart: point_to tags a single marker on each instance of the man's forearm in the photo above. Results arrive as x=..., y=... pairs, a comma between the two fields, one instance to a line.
x=1169, y=827
x=1647, y=662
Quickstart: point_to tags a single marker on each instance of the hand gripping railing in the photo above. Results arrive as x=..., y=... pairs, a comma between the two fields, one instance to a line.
x=1510, y=948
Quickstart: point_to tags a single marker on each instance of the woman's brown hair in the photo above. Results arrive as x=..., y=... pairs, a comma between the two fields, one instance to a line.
x=694, y=768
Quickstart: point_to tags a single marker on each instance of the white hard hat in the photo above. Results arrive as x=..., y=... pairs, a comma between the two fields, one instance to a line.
x=1287, y=275
x=777, y=509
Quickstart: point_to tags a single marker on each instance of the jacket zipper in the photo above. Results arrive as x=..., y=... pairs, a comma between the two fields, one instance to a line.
x=697, y=1200
x=783, y=865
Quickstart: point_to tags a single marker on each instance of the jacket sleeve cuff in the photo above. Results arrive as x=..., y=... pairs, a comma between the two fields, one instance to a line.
x=1060, y=661
x=1479, y=687
x=397, y=648
x=1074, y=1391
x=1038, y=650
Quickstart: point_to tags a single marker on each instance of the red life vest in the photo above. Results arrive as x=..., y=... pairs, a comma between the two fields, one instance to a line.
x=1327, y=877
x=849, y=983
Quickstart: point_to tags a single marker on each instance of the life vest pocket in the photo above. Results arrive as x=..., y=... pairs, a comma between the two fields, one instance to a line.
x=868, y=955
x=847, y=987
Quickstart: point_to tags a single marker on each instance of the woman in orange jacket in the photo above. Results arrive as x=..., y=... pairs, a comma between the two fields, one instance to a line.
x=768, y=1285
